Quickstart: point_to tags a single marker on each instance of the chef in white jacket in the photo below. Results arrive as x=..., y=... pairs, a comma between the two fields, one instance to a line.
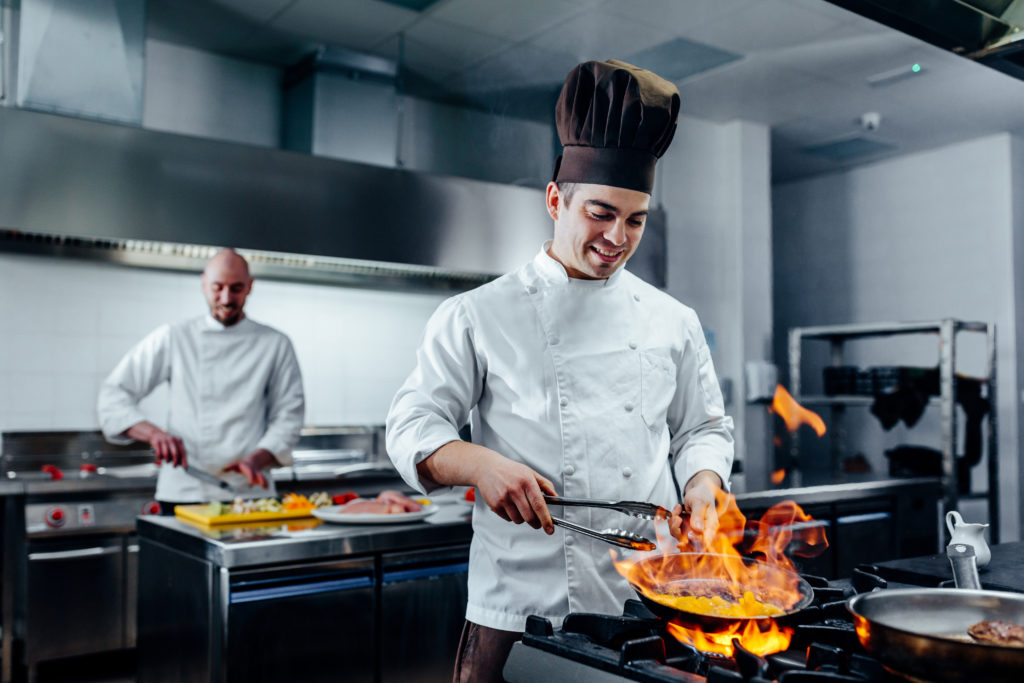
x=576, y=378
x=236, y=399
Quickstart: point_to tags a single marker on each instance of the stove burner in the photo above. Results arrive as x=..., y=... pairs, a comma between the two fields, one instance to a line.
x=637, y=646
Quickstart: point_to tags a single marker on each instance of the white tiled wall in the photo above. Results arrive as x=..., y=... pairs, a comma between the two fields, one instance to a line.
x=64, y=324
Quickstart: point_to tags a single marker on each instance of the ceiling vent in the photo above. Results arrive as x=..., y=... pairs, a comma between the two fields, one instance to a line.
x=848, y=149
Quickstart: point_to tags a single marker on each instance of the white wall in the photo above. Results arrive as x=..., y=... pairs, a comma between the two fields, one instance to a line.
x=715, y=185
x=922, y=237
x=66, y=323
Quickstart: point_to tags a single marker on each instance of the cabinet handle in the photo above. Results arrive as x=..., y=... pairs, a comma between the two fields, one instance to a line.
x=73, y=554
x=295, y=590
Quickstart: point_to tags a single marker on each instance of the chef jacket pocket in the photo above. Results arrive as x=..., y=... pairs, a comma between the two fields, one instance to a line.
x=657, y=387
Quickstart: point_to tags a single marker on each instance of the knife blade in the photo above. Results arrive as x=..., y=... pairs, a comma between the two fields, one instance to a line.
x=213, y=480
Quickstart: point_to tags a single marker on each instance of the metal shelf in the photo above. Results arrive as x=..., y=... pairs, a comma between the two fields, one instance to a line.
x=946, y=330
x=816, y=399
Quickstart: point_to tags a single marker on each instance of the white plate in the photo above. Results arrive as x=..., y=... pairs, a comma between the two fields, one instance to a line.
x=330, y=514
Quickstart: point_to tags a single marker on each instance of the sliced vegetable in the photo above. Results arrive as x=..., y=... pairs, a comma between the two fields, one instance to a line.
x=471, y=494
x=342, y=498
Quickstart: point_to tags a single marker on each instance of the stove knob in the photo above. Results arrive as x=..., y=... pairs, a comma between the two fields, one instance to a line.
x=151, y=508
x=56, y=517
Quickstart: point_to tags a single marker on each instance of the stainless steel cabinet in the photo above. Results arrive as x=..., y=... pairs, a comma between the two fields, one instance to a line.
x=422, y=609
x=74, y=597
x=311, y=622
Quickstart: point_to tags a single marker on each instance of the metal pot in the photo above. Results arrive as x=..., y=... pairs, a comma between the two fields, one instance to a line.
x=676, y=566
x=922, y=632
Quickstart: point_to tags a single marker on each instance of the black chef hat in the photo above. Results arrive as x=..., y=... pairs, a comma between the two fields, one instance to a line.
x=615, y=120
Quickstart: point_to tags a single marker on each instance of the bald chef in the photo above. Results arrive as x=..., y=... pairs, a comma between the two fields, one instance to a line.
x=576, y=378
x=236, y=400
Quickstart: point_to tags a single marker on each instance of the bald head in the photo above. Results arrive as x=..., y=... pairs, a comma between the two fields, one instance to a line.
x=226, y=284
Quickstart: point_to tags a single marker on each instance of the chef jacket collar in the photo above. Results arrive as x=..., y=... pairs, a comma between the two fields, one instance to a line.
x=553, y=272
x=215, y=325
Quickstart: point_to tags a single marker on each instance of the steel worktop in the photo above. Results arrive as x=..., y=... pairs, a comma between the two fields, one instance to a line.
x=244, y=546
x=248, y=546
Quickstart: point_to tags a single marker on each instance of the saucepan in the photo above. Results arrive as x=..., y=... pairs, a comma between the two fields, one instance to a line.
x=670, y=576
x=922, y=632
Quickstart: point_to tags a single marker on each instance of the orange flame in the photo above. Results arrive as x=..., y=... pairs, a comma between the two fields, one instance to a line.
x=714, y=585
x=794, y=414
x=772, y=639
x=778, y=476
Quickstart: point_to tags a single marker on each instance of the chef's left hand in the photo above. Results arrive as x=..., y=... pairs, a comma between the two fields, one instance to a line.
x=699, y=497
x=252, y=467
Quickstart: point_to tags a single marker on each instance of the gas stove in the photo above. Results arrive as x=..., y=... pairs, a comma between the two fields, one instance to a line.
x=636, y=646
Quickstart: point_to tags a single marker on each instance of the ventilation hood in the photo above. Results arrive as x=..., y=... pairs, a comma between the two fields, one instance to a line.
x=986, y=31
x=158, y=199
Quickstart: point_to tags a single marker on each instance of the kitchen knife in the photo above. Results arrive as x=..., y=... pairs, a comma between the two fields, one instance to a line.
x=204, y=476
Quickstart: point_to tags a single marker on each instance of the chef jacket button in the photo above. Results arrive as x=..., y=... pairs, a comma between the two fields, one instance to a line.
x=629, y=406
x=530, y=289
x=554, y=341
x=568, y=540
x=636, y=297
x=569, y=470
x=632, y=345
x=627, y=472
x=563, y=401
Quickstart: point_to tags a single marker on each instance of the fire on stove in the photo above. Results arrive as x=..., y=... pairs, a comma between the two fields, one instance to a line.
x=640, y=646
x=733, y=584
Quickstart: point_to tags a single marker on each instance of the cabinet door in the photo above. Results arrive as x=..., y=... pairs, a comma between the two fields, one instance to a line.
x=74, y=600
x=863, y=538
x=423, y=608
x=309, y=624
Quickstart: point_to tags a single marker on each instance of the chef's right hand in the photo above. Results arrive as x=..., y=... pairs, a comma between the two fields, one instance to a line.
x=167, y=448
x=514, y=491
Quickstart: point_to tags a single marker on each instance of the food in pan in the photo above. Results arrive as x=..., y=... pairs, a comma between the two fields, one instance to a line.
x=717, y=606
x=998, y=633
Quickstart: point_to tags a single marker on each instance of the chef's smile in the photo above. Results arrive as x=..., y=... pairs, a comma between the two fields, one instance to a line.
x=607, y=256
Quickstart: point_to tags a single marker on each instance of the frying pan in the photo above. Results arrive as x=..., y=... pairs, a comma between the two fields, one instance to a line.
x=681, y=584
x=922, y=632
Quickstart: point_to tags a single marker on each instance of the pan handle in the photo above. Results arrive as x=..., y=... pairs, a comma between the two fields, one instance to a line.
x=965, y=565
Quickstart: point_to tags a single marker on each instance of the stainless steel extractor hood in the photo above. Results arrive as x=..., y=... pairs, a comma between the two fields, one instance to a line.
x=986, y=31
x=154, y=199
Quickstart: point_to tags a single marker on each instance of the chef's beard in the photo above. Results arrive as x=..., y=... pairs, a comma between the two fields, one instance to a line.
x=226, y=315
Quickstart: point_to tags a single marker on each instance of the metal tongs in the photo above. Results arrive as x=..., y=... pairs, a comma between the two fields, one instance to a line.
x=626, y=507
x=619, y=537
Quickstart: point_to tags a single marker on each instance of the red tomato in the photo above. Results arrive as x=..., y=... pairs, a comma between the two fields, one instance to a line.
x=342, y=498
x=471, y=494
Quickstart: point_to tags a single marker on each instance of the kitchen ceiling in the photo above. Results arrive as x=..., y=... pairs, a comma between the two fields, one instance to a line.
x=806, y=68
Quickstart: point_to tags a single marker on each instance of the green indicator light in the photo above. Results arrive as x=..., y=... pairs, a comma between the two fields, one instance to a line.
x=915, y=68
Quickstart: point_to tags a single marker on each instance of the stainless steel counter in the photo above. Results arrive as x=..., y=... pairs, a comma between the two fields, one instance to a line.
x=284, y=543
x=246, y=546
x=823, y=488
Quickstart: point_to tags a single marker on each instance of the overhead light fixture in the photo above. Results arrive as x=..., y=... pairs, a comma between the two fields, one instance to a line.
x=893, y=75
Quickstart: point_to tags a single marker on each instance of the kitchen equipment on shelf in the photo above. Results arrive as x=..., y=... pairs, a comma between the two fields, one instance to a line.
x=969, y=534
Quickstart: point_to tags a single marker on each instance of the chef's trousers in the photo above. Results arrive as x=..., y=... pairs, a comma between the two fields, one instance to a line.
x=482, y=653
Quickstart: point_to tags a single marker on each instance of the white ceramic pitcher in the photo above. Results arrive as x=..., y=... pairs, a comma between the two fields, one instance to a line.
x=969, y=534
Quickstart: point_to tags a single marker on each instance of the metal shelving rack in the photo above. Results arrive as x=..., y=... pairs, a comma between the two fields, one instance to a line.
x=946, y=329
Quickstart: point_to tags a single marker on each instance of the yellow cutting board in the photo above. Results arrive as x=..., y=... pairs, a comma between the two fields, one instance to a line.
x=199, y=514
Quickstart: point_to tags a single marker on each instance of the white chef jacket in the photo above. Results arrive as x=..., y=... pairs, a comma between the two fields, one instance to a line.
x=233, y=390
x=602, y=386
